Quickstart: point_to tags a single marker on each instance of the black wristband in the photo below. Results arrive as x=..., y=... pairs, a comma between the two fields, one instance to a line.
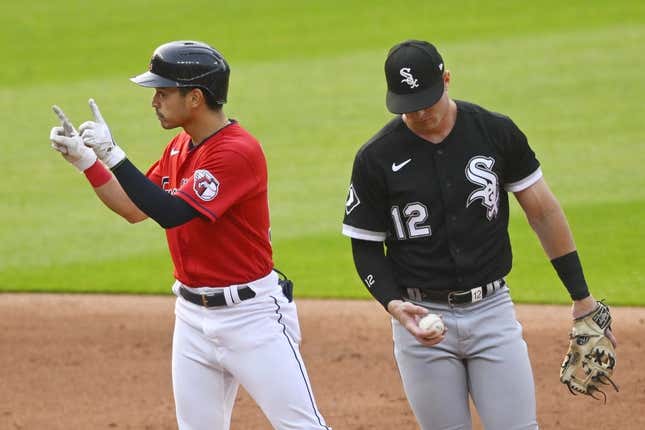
x=569, y=270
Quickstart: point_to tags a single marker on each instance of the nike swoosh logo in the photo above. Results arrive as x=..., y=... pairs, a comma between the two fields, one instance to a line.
x=174, y=152
x=397, y=167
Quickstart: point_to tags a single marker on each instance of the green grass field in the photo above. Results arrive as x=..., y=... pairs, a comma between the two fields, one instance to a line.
x=307, y=80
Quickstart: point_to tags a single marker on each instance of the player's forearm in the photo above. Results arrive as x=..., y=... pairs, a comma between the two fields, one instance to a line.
x=375, y=271
x=553, y=231
x=557, y=241
x=167, y=210
x=112, y=195
x=547, y=219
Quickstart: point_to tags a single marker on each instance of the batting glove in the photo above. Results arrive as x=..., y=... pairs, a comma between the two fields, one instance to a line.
x=66, y=140
x=96, y=134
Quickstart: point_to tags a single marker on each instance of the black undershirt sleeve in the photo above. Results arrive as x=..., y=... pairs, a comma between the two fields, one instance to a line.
x=375, y=270
x=167, y=210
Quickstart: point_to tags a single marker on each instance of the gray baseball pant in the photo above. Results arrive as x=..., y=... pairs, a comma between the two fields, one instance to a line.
x=483, y=355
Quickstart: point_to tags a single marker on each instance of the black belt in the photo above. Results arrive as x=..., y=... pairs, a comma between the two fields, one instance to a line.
x=217, y=299
x=455, y=297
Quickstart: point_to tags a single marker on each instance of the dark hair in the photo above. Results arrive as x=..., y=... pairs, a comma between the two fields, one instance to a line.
x=210, y=99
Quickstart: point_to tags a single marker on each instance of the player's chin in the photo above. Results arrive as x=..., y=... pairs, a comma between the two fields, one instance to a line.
x=166, y=124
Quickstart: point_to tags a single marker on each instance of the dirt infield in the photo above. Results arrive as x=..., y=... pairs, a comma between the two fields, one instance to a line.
x=103, y=362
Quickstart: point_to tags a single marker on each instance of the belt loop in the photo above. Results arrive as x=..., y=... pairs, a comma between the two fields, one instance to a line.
x=235, y=296
x=450, y=296
x=498, y=284
x=228, y=297
x=415, y=294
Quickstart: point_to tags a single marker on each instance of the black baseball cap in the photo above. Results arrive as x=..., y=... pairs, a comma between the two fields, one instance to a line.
x=414, y=73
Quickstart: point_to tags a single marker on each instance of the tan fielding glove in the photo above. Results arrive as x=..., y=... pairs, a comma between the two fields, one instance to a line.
x=591, y=358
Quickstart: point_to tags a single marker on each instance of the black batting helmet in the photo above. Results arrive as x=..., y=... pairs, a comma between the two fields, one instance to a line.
x=186, y=63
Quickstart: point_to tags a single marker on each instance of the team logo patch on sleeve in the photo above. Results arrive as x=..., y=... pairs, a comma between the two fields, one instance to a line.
x=205, y=185
x=352, y=200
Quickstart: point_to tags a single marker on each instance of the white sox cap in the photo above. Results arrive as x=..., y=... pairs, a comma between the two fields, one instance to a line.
x=414, y=73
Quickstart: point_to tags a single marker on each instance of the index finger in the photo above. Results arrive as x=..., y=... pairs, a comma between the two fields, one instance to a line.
x=65, y=122
x=95, y=111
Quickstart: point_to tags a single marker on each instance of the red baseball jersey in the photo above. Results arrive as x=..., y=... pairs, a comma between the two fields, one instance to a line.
x=225, y=179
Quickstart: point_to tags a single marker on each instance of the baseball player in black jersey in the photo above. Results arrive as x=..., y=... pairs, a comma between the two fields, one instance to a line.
x=432, y=186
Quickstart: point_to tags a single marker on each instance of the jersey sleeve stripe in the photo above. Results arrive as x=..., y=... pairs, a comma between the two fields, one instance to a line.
x=359, y=233
x=523, y=184
x=194, y=203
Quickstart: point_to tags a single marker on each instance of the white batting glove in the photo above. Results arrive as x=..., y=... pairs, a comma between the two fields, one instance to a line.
x=66, y=140
x=96, y=134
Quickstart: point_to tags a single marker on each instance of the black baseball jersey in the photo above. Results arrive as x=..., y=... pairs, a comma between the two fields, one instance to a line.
x=441, y=209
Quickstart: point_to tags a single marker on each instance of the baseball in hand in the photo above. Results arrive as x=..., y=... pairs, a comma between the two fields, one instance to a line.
x=432, y=322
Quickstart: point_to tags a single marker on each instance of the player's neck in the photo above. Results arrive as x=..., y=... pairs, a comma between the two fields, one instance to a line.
x=205, y=125
x=436, y=134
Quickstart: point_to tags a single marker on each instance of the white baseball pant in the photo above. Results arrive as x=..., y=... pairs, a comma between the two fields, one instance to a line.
x=254, y=343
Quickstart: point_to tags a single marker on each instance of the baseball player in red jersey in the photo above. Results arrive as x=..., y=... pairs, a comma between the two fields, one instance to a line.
x=235, y=320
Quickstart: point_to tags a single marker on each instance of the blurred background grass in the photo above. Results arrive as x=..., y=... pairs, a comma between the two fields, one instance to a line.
x=307, y=80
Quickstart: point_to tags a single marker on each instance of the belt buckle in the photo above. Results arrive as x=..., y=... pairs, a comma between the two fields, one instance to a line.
x=453, y=294
x=204, y=300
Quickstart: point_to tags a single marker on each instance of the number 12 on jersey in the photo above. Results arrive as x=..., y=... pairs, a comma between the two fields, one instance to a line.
x=415, y=214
